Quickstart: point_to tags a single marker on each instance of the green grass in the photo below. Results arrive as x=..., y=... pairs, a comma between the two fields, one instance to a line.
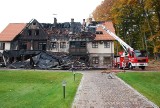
x=36, y=89
x=147, y=83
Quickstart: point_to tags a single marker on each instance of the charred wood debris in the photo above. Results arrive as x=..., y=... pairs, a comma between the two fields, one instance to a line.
x=31, y=59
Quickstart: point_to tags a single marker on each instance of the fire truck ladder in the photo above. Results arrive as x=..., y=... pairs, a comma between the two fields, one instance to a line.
x=125, y=46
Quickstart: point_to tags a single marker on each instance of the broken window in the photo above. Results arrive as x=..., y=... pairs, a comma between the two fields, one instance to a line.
x=106, y=44
x=95, y=60
x=36, y=32
x=62, y=44
x=72, y=44
x=2, y=46
x=34, y=23
x=24, y=46
x=42, y=46
x=53, y=45
x=29, y=32
x=83, y=45
x=94, y=44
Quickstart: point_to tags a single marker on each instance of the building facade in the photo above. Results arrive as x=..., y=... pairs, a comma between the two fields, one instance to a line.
x=89, y=43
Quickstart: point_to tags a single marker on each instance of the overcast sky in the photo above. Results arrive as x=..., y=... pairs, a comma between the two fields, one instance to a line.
x=22, y=11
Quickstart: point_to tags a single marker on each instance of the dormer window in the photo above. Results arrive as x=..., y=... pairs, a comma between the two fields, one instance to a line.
x=99, y=32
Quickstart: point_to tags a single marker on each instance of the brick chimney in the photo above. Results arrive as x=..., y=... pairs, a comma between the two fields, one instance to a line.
x=84, y=24
x=72, y=20
x=55, y=21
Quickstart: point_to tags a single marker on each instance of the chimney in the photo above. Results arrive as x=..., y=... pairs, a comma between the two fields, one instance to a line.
x=90, y=20
x=55, y=21
x=72, y=20
x=84, y=22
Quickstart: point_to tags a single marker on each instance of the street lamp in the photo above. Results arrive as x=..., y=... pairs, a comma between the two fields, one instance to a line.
x=74, y=74
x=64, y=85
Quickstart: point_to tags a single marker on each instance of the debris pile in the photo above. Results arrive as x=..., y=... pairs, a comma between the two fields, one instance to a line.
x=43, y=60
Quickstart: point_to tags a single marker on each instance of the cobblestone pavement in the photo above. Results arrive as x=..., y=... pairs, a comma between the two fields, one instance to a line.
x=99, y=91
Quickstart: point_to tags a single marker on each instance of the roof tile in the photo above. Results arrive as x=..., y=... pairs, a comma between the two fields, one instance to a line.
x=11, y=31
x=105, y=35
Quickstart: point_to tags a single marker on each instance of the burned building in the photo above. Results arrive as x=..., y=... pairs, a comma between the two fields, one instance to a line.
x=73, y=41
x=32, y=37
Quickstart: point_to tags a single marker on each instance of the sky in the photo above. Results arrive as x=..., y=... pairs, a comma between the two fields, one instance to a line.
x=22, y=11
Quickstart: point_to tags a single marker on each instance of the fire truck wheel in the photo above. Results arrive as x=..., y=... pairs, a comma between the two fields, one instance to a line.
x=142, y=67
x=130, y=66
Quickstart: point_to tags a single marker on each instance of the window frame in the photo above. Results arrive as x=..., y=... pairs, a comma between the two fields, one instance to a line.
x=62, y=44
x=105, y=60
x=36, y=32
x=40, y=45
x=53, y=45
x=94, y=44
x=2, y=46
x=95, y=60
x=107, y=44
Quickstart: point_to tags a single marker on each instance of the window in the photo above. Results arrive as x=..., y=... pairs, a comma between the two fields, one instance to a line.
x=24, y=45
x=72, y=44
x=2, y=46
x=29, y=32
x=36, y=32
x=62, y=44
x=83, y=44
x=53, y=45
x=34, y=23
x=94, y=44
x=95, y=60
x=99, y=32
x=106, y=60
x=106, y=44
x=42, y=46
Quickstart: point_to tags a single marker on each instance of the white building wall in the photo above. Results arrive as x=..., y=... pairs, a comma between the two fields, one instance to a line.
x=58, y=49
x=7, y=45
x=1, y=51
x=100, y=48
x=101, y=53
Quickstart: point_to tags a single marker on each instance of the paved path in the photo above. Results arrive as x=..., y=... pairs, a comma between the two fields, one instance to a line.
x=98, y=91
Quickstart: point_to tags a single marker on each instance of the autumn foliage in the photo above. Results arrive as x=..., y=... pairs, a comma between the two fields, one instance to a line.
x=137, y=22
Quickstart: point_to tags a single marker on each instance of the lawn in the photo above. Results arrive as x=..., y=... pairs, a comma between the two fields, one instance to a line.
x=37, y=89
x=147, y=83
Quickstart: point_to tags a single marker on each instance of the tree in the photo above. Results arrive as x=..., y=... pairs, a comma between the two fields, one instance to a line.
x=137, y=22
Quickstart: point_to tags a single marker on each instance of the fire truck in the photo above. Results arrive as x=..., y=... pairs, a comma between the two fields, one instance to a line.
x=129, y=58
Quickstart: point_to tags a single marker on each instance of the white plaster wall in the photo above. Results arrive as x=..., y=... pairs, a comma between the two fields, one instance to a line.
x=1, y=51
x=58, y=49
x=100, y=48
x=7, y=45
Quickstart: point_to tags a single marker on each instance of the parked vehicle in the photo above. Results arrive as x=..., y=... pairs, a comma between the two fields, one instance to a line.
x=129, y=58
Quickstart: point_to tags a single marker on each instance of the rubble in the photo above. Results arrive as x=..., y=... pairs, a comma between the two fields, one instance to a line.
x=43, y=60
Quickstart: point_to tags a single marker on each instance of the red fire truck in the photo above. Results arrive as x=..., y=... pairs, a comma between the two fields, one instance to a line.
x=129, y=58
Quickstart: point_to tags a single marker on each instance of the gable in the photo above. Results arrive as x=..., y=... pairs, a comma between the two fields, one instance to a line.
x=33, y=31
